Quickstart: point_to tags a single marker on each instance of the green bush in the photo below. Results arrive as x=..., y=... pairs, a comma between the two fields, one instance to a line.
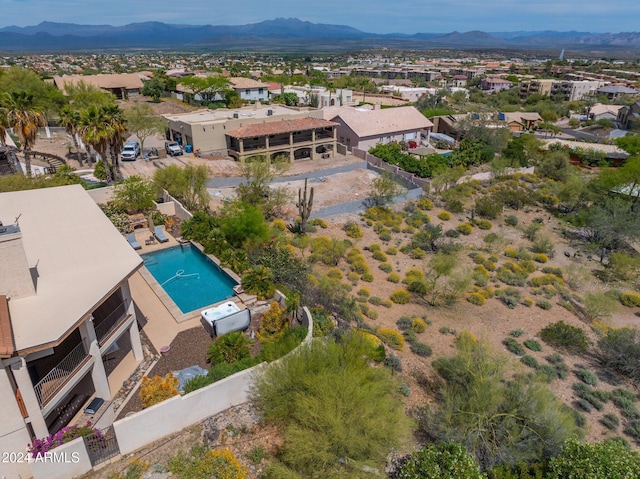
x=352, y=230
x=392, y=251
x=391, y=338
x=404, y=323
x=610, y=421
x=446, y=461
x=516, y=333
x=379, y=255
x=229, y=348
x=566, y=337
x=477, y=299
x=530, y=361
x=367, y=278
x=543, y=304
x=484, y=224
x=452, y=233
x=630, y=299
x=465, y=228
x=418, y=325
x=587, y=377
x=424, y=204
x=513, y=346
x=489, y=207
x=376, y=300
x=511, y=220
x=386, y=267
x=619, y=351
x=509, y=296
x=610, y=459
x=400, y=296
x=421, y=349
x=393, y=278
x=444, y=215
x=533, y=345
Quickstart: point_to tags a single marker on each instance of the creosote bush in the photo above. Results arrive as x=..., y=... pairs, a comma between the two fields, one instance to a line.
x=464, y=228
x=400, y=296
x=566, y=337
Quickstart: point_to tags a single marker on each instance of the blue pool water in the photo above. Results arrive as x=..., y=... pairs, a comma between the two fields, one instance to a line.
x=190, y=278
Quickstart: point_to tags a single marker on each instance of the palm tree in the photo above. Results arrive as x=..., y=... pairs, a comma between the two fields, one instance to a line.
x=117, y=130
x=94, y=129
x=24, y=121
x=70, y=118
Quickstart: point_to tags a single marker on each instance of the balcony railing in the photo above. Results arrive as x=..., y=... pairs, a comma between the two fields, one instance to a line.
x=111, y=322
x=55, y=379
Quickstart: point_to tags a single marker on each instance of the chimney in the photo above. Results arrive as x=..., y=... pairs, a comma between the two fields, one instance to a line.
x=16, y=280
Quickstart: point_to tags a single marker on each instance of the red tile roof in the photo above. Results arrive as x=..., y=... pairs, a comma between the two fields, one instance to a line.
x=278, y=127
x=7, y=347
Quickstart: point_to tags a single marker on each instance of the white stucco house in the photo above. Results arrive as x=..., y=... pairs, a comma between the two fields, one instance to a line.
x=65, y=307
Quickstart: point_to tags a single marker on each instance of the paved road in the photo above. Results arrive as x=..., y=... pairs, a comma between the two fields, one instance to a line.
x=579, y=135
x=233, y=182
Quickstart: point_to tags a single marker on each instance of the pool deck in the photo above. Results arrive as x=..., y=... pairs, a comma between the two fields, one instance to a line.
x=163, y=320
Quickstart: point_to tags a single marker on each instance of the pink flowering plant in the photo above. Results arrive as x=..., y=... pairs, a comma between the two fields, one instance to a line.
x=95, y=439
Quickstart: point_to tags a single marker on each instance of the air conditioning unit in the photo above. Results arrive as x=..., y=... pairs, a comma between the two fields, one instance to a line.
x=269, y=112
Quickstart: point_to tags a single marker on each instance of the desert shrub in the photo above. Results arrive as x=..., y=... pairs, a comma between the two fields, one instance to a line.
x=544, y=304
x=630, y=299
x=334, y=273
x=417, y=253
x=385, y=235
x=530, y=361
x=479, y=401
x=400, y=296
x=484, y=224
x=258, y=280
x=516, y=333
x=587, y=377
x=279, y=225
x=404, y=323
x=587, y=394
x=386, y=267
x=348, y=420
x=545, y=279
x=547, y=372
x=379, y=255
x=393, y=278
x=273, y=323
x=364, y=291
x=540, y=258
x=376, y=300
x=373, y=247
x=477, y=299
x=566, y=337
x=465, y=228
x=444, y=215
x=392, y=251
x=489, y=207
x=513, y=346
x=509, y=296
x=598, y=306
x=202, y=463
x=542, y=244
x=229, y=348
x=387, y=303
x=512, y=274
x=533, y=345
x=511, y=220
x=443, y=460
x=367, y=278
x=611, y=459
x=619, y=351
x=410, y=336
x=391, y=338
x=452, y=233
x=454, y=205
x=353, y=277
x=610, y=421
x=424, y=204
x=624, y=266
x=418, y=325
x=421, y=349
x=583, y=405
x=318, y=222
x=528, y=302
x=157, y=389
x=322, y=322
x=446, y=330
x=393, y=362
x=511, y=253
x=352, y=230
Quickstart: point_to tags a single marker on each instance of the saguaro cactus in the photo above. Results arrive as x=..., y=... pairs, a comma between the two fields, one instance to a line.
x=304, y=206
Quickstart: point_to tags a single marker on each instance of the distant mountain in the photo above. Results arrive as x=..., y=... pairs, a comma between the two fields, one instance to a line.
x=283, y=34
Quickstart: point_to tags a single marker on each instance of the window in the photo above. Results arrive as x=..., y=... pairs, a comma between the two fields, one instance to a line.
x=342, y=139
x=247, y=92
x=260, y=91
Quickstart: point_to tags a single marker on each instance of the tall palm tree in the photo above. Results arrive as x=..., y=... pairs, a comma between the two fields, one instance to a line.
x=117, y=130
x=24, y=121
x=94, y=129
x=70, y=118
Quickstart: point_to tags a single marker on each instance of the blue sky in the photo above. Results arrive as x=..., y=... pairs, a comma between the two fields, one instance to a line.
x=376, y=16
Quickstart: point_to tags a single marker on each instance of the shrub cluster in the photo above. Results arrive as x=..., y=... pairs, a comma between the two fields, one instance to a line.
x=566, y=337
x=391, y=338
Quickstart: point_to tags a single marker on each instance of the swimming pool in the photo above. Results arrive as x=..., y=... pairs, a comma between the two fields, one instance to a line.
x=191, y=279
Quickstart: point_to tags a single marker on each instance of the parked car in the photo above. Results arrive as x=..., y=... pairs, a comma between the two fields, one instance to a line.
x=131, y=151
x=173, y=148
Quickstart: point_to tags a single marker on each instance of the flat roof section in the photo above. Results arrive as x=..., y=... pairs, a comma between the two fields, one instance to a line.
x=75, y=255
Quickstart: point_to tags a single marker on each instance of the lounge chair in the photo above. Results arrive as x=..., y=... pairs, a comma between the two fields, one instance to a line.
x=159, y=234
x=131, y=238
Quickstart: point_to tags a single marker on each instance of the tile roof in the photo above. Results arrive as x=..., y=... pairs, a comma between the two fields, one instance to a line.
x=242, y=83
x=386, y=121
x=277, y=127
x=7, y=347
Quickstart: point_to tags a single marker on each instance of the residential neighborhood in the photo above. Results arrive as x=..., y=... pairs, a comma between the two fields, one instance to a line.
x=265, y=264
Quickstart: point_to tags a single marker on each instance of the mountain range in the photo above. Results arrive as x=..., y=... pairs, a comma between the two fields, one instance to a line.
x=289, y=34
